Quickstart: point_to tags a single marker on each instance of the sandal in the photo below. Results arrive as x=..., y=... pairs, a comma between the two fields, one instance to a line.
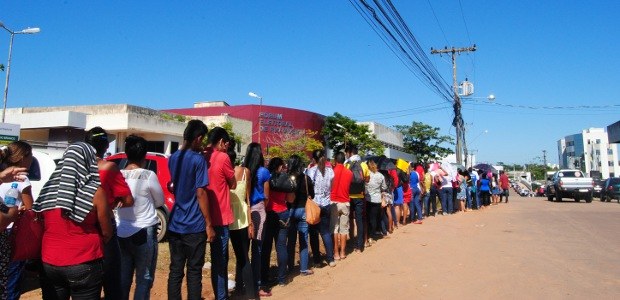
x=262, y=293
x=307, y=272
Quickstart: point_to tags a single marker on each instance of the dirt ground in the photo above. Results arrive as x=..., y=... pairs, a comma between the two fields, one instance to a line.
x=527, y=249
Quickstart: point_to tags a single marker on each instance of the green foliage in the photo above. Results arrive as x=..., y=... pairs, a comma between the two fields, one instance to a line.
x=300, y=143
x=228, y=126
x=175, y=117
x=351, y=133
x=424, y=141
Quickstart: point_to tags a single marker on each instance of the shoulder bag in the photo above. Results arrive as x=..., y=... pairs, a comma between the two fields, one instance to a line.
x=26, y=236
x=313, y=211
x=282, y=182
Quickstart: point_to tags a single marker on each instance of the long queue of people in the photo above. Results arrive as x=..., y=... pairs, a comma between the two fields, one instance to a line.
x=100, y=223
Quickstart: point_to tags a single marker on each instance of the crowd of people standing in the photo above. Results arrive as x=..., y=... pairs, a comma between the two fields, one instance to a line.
x=100, y=223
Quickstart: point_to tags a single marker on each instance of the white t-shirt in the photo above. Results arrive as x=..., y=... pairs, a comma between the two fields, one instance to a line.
x=5, y=187
x=147, y=195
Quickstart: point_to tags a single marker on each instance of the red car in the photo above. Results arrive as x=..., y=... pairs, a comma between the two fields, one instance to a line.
x=157, y=163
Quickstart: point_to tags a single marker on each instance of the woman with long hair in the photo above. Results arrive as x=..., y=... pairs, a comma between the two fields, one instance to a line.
x=298, y=224
x=259, y=197
x=322, y=175
x=119, y=195
x=376, y=188
x=15, y=154
x=276, y=228
x=241, y=229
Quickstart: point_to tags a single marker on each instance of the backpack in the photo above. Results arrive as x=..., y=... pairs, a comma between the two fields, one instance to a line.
x=357, y=184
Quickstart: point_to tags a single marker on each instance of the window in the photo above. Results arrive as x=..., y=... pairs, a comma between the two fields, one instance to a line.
x=597, y=152
x=609, y=151
x=598, y=141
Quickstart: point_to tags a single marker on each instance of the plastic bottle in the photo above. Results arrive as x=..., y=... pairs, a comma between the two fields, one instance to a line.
x=10, y=198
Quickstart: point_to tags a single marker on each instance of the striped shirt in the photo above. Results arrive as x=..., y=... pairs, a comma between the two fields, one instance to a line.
x=73, y=183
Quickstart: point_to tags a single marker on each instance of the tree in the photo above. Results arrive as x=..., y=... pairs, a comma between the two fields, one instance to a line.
x=298, y=142
x=350, y=133
x=424, y=141
x=228, y=126
x=1, y=68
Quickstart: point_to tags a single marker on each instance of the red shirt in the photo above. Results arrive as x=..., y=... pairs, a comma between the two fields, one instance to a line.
x=66, y=242
x=277, y=202
x=394, y=175
x=504, y=182
x=220, y=170
x=420, y=172
x=114, y=185
x=407, y=193
x=341, y=184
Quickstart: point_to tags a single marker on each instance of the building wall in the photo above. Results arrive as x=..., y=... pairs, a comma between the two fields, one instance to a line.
x=591, y=152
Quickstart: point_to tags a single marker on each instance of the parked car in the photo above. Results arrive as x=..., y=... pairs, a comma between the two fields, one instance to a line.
x=524, y=192
x=598, y=186
x=158, y=163
x=611, y=189
x=569, y=183
x=42, y=167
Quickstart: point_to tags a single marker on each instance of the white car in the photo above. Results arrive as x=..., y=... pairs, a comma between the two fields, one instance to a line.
x=524, y=192
x=43, y=165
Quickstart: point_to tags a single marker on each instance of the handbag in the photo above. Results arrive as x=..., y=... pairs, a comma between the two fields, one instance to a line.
x=313, y=211
x=26, y=236
x=282, y=182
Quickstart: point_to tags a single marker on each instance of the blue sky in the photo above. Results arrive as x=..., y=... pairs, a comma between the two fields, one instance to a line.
x=322, y=56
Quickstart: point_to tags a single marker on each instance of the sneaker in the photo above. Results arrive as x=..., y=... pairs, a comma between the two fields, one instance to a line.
x=307, y=272
x=332, y=264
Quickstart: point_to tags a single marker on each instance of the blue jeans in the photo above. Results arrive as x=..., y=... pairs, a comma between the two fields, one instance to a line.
x=357, y=206
x=281, y=249
x=139, y=253
x=272, y=229
x=219, y=262
x=326, y=235
x=468, y=198
x=14, y=277
x=112, y=267
x=297, y=225
x=415, y=205
x=430, y=200
x=186, y=249
x=446, y=199
x=81, y=281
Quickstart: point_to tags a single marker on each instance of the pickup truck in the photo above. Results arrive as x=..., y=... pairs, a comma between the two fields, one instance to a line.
x=569, y=184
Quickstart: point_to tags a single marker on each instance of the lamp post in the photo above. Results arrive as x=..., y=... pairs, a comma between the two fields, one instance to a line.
x=8, y=64
x=345, y=134
x=260, y=108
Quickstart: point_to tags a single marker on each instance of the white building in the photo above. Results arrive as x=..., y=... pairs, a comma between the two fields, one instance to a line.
x=391, y=139
x=58, y=126
x=591, y=152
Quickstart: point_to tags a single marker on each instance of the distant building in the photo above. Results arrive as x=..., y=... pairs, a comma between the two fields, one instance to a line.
x=591, y=152
x=613, y=133
x=391, y=139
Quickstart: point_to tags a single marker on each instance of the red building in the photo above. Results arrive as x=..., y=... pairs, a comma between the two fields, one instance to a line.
x=270, y=124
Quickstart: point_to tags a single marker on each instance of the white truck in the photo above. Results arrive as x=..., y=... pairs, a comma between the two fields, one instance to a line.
x=569, y=183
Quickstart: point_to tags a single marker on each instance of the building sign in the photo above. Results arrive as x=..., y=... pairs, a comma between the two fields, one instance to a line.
x=8, y=133
x=275, y=123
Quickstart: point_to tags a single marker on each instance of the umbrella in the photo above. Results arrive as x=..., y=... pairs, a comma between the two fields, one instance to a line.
x=485, y=168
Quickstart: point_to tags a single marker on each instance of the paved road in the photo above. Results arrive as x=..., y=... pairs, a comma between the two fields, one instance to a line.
x=527, y=249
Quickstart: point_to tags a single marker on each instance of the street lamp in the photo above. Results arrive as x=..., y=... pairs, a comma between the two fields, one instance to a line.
x=345, y=134
x=8, y=64
x=254, y=95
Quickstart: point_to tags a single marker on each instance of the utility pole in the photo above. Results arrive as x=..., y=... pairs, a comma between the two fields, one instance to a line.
x=458, y=117
x=545, y=160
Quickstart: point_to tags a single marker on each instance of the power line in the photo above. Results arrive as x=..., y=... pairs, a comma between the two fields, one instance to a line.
x=439, y=24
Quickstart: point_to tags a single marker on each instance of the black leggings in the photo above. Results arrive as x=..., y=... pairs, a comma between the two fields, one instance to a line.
x=243, y=274
x=374, y=217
